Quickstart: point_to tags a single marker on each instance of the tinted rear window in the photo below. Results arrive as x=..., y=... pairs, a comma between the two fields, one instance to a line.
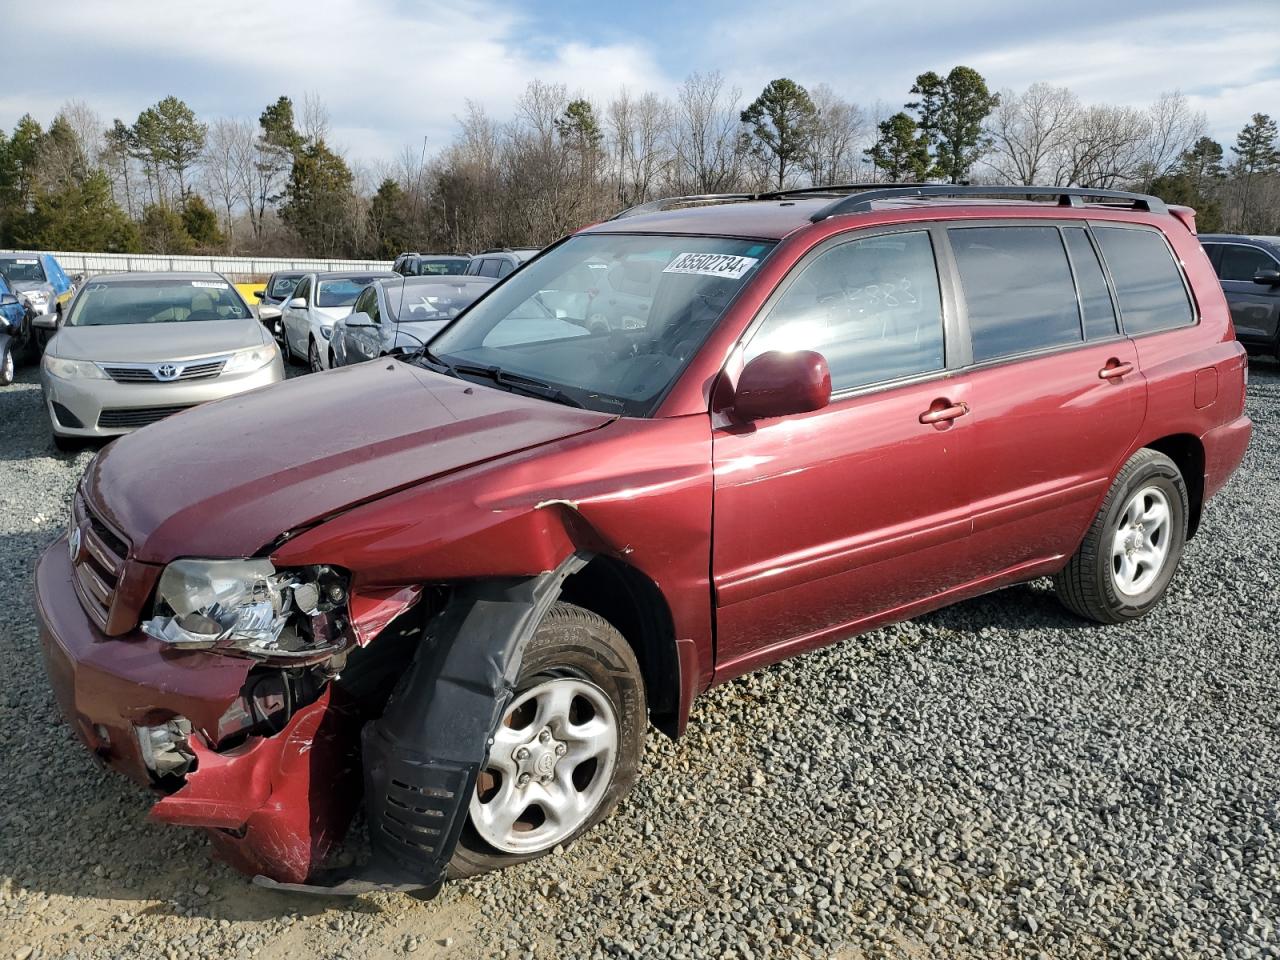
x=1147, y=281
x=1095, y=299
x=1017, y=288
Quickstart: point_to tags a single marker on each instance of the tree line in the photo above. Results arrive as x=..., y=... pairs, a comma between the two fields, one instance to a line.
x=169, y=182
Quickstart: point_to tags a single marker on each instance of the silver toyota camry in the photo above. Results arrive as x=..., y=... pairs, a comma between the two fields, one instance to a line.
x=137, y=347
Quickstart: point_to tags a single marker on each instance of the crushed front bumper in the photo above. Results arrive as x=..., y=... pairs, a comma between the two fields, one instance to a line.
x=273, y=805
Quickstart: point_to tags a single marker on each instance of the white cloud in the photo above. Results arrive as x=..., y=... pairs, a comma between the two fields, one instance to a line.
x=396, y=71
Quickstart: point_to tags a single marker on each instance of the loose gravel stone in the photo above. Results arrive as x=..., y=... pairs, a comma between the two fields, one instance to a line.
x=995, y=779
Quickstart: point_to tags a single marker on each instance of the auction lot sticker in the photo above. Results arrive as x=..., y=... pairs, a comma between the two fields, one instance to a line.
x=711, y=265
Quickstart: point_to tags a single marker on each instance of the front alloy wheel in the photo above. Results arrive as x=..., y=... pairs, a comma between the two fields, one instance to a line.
x=313, y=357
x=568, y=747
x=549, y=766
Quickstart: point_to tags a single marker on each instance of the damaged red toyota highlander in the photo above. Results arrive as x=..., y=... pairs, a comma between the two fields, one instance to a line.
x=693, y=440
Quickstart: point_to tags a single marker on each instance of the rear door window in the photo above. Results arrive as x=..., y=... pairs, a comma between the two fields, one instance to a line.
x=1096, y=308
x=1017, y=288
x=1148, y=283
x=1241, y=263
x=870, y=306
x=489, y=267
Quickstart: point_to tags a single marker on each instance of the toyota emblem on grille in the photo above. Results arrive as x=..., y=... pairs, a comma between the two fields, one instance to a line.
x=73, y=544
x=166, y=371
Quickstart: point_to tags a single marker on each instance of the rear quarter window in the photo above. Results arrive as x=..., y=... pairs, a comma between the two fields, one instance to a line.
x=1146, y=278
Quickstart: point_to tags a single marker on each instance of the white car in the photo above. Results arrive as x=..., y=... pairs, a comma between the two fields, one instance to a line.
x=319, y=301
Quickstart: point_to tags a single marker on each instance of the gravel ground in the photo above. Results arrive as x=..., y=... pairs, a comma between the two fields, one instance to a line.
x=996, y=779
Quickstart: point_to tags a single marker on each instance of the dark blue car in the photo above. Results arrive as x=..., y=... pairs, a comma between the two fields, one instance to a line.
x=14, y=330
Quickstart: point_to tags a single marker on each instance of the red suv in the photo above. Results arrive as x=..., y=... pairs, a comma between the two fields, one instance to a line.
x=676, y=446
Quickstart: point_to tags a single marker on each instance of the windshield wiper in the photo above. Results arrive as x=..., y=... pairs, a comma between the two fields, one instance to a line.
x=515, y=382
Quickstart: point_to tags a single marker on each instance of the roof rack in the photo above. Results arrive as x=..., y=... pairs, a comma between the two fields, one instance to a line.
x=834, y=189
x=670, y=203
x=862, y=201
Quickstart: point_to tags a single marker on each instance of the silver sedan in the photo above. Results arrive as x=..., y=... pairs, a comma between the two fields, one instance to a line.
x=135, y=348
x=401, y=315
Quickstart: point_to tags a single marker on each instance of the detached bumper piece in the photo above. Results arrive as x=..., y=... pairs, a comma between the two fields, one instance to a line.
x=422, y=757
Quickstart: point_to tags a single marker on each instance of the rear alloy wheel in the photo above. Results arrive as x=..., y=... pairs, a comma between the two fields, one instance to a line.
x=568, y=747
x=1131, y=551
x=313, y=357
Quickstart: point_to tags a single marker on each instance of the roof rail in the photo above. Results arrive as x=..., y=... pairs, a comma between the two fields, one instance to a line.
x=862, y=201
x=835, y=189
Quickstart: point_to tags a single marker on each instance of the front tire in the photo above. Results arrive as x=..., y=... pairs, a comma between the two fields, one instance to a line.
x=1132, y=549
x=313, y=356
x=568, y=749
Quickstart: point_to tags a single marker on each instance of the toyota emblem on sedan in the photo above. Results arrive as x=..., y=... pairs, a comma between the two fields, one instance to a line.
x=166, y=371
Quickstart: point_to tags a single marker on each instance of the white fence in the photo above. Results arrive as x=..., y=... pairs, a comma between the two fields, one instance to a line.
x=236, y=268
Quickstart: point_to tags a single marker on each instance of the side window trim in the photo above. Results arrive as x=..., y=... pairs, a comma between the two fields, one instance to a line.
x=1177, y=263
x=1117, y=334
x=951, y=329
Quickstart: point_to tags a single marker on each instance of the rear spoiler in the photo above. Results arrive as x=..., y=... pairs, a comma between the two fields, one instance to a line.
x=1186, y=214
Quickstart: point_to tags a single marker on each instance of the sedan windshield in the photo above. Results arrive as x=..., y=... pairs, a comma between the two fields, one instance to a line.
x=22, y=270
x=282, y=287
x=155, y=301
x=606, y=321
x=341, y=293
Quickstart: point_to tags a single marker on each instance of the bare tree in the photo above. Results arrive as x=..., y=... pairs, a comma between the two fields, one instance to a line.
x=228, y=169
x=839, y=132
x=1030, y=132
x=1172, y=129
x=640, y=130
x=87, y=126
x=1105, y=148
x=313, y=120
x=707, y=146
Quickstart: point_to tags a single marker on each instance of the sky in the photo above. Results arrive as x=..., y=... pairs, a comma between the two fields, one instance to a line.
x=392, y=72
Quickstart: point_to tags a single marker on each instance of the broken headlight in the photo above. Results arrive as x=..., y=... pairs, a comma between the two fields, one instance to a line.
x=247, y=607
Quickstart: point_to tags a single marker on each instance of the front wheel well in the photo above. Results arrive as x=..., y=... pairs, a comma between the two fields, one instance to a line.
x=1187, y=453
x=634, y=605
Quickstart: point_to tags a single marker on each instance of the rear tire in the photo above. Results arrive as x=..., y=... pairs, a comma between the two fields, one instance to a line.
x=1133, y=546
x=577, y=658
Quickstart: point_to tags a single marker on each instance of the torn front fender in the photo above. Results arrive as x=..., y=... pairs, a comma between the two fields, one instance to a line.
x=275, y=805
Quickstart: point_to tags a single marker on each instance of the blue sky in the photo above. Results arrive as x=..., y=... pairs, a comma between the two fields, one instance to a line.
x=394, y=71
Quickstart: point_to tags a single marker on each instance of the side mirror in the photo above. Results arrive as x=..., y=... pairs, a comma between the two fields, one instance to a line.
x=259, y=294
x=1268, y=278
x=779, y=383
x=358, y=320
x=297, y=303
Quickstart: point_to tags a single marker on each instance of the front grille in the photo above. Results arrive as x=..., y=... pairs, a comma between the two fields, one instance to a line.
x=197, y=370
x=98, y=564
x=125, y=417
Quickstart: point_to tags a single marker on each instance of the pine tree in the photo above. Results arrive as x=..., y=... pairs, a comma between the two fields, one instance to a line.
x=780, y=126
x=951, y=112
x=901, y=152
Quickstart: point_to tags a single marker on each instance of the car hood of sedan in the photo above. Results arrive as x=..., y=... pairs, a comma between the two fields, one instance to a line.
x=153, y=342
x=227, y=478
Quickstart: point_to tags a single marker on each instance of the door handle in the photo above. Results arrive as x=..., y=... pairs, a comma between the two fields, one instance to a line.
x=1114, y=370
x=943, y=411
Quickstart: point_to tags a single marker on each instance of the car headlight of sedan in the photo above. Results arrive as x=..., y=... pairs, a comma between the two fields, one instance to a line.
x=73, y=369
x=243, y=361
x=326, y=332
x=248, y=608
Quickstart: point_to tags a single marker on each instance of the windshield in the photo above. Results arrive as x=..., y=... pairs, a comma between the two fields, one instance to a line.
x=610, y=320
x=412, y=301
x=155, y=301
x=429, y=268
x=282, y=287
x=22, y=270
x=341, y=293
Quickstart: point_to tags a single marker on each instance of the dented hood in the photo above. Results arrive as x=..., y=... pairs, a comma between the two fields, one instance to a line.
x=227, y=478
